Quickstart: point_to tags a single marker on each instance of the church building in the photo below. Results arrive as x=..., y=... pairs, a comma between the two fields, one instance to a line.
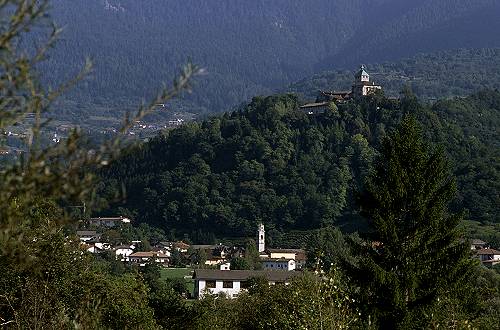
x=362, y=87
x=362, y=84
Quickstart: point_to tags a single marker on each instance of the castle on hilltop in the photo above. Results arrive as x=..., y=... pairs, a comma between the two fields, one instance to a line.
x=362, y=87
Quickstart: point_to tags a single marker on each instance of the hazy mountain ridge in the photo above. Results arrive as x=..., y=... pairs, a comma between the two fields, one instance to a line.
x=249, y=47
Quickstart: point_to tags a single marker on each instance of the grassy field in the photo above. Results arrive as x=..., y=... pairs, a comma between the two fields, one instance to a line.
x=175, y=273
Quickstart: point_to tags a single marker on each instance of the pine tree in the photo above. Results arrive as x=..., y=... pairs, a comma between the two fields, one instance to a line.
x=413, y=257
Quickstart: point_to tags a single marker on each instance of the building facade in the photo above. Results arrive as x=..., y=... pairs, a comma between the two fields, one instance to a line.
x=489, y=257
x=142, y=258
x=232, y=282
x=278, y=264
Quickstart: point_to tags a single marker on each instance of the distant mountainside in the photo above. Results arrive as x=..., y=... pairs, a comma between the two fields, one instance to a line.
x=430, y=76
x=247, y=47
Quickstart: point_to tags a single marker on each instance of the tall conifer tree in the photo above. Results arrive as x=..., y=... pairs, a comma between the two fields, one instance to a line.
x=414, y=255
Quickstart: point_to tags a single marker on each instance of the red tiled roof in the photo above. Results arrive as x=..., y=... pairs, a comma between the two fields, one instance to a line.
x=181, y=245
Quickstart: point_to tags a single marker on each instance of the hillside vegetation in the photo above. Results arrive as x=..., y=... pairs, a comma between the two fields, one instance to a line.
x=269, y=162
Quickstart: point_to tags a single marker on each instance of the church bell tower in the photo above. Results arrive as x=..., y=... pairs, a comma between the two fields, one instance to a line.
x=261, y=238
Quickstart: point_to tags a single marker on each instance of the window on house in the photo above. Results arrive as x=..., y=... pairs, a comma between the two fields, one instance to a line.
x=210, y=284
x=227, y=284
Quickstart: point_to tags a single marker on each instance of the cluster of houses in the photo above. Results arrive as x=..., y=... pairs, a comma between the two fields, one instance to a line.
x=482, y=251
x=216, y=256
x=278, y=265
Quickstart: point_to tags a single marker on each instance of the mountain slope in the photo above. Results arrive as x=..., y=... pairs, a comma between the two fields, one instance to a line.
x=248, y=47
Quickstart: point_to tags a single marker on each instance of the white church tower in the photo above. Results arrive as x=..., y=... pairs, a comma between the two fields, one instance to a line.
x=362, y=76
x=261, y=238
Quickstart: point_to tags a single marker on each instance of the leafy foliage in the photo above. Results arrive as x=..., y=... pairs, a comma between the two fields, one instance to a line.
x=307, y=303
x=48, y=282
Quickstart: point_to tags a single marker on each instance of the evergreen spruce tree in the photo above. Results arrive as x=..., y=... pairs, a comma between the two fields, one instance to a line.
x=413, y=258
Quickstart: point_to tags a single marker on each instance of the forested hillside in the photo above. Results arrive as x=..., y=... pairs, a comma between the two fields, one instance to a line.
x=269, y=162
x=247, y=47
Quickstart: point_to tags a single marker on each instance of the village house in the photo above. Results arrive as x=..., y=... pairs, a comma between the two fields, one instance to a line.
x=298, y=255
x=88, y=236
x=92, y=248
x=122, y=252
x=488, y=257
x=161, y=250
x=109, y=221
x=278, y=264
x=477, y=244
x=215, y=254
x=232, y=282
x=97, y=247
x=143, y=258
x=180, y=246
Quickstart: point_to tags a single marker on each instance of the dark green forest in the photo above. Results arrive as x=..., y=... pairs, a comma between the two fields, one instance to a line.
x=269, y=162
x=266, y=45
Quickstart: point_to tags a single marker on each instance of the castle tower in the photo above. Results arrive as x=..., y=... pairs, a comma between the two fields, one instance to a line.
x=261, y=238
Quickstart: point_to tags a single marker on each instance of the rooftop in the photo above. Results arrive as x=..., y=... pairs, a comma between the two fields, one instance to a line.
x=181, y=245
x=241, y=275
x=148, y=255
x=315, y=105
x=287, y=251
x=205, y=247
x=362, y=72
x=276, y=259
x=487, y=252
